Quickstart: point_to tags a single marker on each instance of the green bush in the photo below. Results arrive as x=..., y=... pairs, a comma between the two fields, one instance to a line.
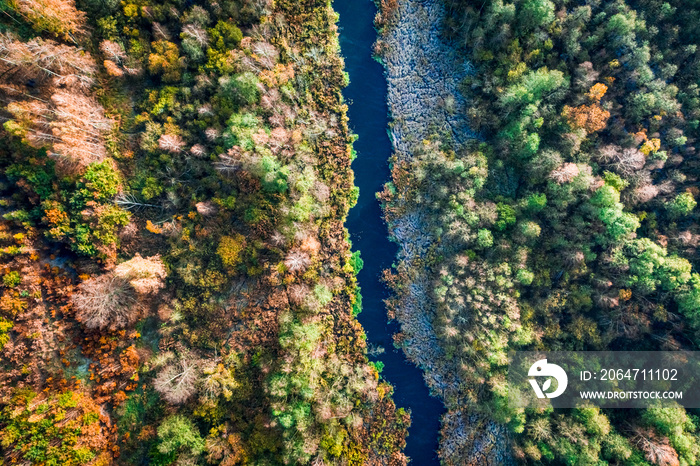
x=11, y=279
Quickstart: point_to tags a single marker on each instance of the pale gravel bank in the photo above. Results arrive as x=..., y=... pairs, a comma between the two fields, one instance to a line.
x=423, y=73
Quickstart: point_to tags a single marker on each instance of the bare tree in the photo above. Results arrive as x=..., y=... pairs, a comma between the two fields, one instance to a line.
x=197, y=33
x=297, y=293
x=231, y=161
x=656, y=450
x=161, y=32
x=198, y=150
x=106, y=302
x=266, y=54
x=628, y=161
x=171, y=143
x=277, y=239
x=608, y=153
x=644, y=193
x=212, y=134
x=113, y=51
x=177, y=381
x=130, y=202
x=116, y=299
x=297, y=261
x=206, y=209
x=565, y=173
x=40, y=59
x=61, y=117
x=585, y=76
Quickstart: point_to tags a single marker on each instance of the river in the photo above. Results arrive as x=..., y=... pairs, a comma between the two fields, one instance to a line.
x=366, y=96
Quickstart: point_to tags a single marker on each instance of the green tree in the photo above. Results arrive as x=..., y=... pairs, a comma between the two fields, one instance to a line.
x=177, y=434
x=225, y=36
x=484, y=238
x=682, y=205
x=533, y=14
x=672, y=421
x=532, y=88
x=243, y=89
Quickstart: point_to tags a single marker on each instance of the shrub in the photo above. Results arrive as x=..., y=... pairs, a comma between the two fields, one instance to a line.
x=11, y=279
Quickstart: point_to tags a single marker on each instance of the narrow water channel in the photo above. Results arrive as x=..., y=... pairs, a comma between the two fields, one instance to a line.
x=366, y=96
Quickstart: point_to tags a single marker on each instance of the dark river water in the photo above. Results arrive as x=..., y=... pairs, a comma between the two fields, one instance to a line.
x=366, y=96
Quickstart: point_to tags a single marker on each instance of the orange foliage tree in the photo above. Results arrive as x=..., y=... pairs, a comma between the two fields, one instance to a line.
x=591, y=118
x=59, y=17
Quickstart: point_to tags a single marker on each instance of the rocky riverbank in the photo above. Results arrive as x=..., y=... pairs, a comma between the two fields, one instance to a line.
x=423, y=73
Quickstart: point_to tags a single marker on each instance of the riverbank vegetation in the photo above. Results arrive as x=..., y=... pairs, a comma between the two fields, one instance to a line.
x=570, y=223
x=177, y=284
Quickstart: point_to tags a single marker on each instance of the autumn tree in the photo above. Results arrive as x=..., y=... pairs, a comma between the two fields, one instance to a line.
x=230, y=250
x=591, y=118
x=165, y=61
x=66, y=119
x=58, y=17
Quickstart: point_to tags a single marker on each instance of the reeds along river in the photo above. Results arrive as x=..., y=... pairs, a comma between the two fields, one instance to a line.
x=366, y=96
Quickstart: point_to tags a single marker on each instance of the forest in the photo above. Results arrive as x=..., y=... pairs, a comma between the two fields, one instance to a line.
x=178, y=287
x=177, y=283
x=568, y=222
